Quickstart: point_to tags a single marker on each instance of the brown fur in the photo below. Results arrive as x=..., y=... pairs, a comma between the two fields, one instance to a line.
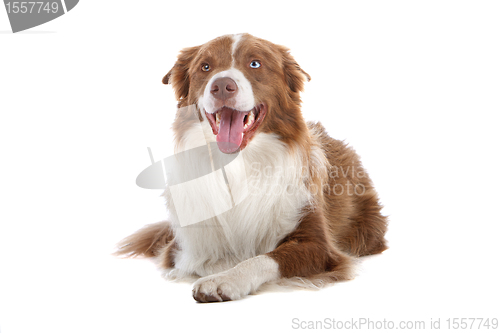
x=338, y=226
x=147, y=241
x=355, y=220
x=309, y=251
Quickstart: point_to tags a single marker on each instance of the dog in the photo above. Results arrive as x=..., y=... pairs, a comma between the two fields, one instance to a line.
x=309, y=208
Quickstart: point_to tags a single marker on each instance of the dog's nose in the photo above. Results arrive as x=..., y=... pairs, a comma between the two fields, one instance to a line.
x=224, y=88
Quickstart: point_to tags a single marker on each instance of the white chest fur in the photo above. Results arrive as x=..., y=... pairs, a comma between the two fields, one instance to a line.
x=270, y=210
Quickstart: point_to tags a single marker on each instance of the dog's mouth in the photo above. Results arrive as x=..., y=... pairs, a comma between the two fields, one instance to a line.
x=234, y=128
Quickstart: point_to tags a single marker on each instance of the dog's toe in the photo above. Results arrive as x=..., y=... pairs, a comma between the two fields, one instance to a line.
x=222, y=295
x=218, y=288
x=206, y=298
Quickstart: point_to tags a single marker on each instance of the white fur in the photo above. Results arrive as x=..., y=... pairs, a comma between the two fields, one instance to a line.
x=272, y=210
x=241, y=280
x=236, y=41
x=244, y=99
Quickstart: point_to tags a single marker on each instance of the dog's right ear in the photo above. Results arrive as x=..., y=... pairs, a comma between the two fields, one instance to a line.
x=178, y=76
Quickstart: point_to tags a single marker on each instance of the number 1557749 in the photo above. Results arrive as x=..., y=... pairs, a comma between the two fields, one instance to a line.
x=32, y=7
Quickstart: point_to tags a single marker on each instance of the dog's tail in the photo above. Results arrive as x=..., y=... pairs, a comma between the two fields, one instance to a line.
x=146, y=241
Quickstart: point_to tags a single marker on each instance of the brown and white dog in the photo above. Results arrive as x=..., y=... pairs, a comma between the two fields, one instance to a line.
x=311, y=208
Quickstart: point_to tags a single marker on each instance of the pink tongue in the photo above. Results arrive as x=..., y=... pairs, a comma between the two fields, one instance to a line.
x=231, y=130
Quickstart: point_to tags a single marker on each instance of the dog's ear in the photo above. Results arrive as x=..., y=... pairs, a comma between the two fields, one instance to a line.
x=294, y=75
x=178, y=76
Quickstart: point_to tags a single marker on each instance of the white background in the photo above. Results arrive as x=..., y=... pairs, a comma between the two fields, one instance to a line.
x=413, y=86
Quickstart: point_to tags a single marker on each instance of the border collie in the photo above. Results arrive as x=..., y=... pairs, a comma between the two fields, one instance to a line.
x=290, y=203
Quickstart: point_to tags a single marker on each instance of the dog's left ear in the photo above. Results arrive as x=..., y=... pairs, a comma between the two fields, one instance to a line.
x=178, y=76
x=294, y=75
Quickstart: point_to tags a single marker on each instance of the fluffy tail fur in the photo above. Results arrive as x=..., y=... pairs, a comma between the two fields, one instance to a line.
x=146, y=241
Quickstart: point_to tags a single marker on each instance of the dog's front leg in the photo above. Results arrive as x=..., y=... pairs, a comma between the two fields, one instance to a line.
x=236, y=282
x=305, y=252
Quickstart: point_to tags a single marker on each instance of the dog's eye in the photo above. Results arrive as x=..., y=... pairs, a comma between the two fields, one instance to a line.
x=255, y=64
x=205, y=67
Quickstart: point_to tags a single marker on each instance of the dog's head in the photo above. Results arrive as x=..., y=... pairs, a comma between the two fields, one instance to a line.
x=240, y=85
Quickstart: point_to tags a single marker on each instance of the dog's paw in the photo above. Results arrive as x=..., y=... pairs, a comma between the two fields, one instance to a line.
x=219, y=287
